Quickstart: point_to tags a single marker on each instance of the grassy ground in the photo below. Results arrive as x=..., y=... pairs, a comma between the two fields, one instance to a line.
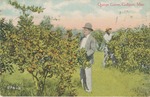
x=111, y=82
x=106, y=81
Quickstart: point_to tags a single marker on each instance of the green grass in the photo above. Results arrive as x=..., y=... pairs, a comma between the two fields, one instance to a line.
x=105, y=81
x=110, y=81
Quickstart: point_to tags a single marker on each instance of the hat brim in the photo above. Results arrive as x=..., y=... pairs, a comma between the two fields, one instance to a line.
x=88, y=28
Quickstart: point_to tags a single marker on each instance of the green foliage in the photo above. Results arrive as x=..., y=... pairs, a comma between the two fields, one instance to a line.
x=98, y=35
x=42, y=53
x=5, y=59
x=46, y=23
x=132, y=49
x=25, y=8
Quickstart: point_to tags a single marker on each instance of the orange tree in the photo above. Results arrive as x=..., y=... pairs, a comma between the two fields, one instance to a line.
x=5, y=57
x=131, y=48
x=42, y=53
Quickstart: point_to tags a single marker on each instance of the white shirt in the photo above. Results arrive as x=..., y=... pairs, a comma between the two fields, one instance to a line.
x=84, y=40
x=107, y=37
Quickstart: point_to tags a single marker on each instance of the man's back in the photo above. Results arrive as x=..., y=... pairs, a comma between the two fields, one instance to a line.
x=107, y=37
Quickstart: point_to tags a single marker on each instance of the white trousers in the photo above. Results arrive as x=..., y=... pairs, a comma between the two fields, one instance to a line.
x=86, y=78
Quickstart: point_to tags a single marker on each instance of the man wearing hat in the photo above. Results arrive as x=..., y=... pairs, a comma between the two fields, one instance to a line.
x=107, y=37
x=88, y=43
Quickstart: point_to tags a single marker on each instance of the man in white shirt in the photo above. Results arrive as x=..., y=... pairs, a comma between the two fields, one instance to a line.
x=88, y=43
x=107, y=37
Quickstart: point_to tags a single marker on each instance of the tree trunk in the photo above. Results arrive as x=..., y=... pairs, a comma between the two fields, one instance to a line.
x=40, y=85
x=40, y=88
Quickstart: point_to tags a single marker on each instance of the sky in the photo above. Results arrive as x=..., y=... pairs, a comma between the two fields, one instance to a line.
x=73, y=14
